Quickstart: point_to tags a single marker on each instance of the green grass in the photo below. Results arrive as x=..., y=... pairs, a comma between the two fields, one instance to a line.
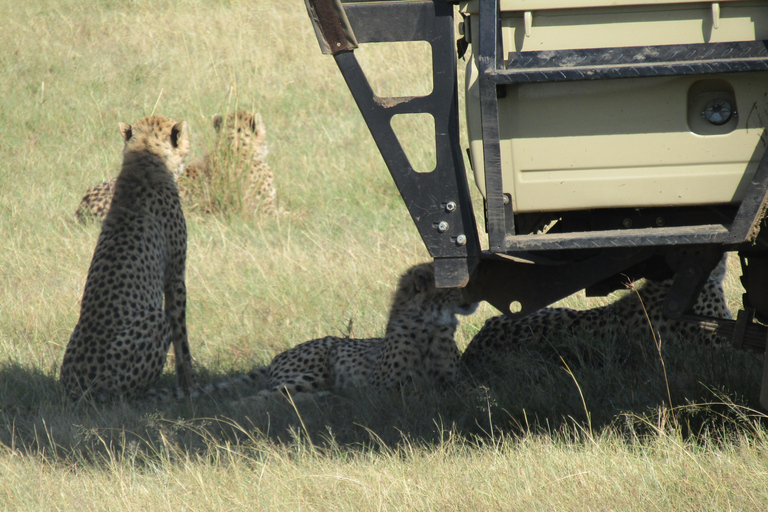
x=601, y=437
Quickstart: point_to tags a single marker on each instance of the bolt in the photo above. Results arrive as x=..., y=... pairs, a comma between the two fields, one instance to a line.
x=451, y=206
x=442, y=226
x=690, y=272
x=627, y=223
x=461, y=239
x=660, y=221
x=506, y=199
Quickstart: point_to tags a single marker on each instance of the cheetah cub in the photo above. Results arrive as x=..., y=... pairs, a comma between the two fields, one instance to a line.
x=240, y=154
x=418, y=349
x=134, y=302
x=631, y=315
x=95, y=203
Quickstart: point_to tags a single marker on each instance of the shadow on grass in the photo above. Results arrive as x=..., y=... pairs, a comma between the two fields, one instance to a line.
x=36, y=418
x=573, y=380
x=551, y=389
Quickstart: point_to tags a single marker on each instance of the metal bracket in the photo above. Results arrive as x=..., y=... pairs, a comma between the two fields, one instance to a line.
x=504, y=281
x=693, y=268
x=438, y=201
x=743, y=332
x=331, y=26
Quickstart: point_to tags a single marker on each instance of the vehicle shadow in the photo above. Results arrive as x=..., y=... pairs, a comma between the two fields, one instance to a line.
x=530, y=392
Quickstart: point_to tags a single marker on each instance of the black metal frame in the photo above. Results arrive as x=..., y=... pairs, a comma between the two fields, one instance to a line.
x=438, y=201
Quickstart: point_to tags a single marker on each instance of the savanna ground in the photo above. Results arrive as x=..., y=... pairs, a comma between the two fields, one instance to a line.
x=545, y=436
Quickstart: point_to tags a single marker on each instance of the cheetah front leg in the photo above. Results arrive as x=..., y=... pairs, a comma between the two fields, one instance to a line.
x=175, y=310
x=397, y=366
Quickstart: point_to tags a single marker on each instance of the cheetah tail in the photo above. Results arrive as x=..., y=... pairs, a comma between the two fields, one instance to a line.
x=256, y=379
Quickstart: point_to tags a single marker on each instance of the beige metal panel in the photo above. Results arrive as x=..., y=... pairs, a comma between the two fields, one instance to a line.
x=608, y=143
x=626, y=143
x=531, y=5
x=607, y=28
x=632, y=187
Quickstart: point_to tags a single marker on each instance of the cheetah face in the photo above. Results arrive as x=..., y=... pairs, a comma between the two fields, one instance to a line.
x=245, y=131
x=468, y=308
x=451, y=304
x=416, y=291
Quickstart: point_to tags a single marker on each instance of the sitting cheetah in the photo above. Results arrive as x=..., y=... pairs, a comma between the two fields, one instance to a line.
x=501, y=334
x=240, y=155
x=120, y=342
x=418, y=348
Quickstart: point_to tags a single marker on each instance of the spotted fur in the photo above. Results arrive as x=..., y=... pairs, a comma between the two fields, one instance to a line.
x=628, y=316
x=134, y=303
x=95, y=203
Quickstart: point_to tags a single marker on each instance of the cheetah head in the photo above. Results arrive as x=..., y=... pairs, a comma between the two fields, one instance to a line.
x=161, y=136
x=245, y=132
x=416, y=292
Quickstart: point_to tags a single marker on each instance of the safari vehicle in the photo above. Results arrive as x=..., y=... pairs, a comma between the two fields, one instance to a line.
x=608, y=139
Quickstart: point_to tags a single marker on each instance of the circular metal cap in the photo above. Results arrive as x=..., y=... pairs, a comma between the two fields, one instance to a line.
x=718, y=112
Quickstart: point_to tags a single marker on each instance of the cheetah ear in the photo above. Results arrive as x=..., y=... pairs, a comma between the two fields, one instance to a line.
x=178, y=132
x=217, y=122
x=423, y=278
x=125, y=129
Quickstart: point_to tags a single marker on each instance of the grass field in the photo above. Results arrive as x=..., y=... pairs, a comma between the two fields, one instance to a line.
x=597, y=438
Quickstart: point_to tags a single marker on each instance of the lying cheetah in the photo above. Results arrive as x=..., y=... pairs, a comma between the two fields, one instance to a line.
x=627, y=316
x=418, y=348
x=238, y=160
x=95, y=203
x=119, y=345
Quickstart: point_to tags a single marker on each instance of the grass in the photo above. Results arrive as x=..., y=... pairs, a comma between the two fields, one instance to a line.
x=539, y=473
x=600, y=437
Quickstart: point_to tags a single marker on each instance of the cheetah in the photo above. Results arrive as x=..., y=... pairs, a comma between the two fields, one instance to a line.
x=247, y=137
x=501, y=335
x=418, y=349
x=241, y=151
x=95, y=203
x=134, y=302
